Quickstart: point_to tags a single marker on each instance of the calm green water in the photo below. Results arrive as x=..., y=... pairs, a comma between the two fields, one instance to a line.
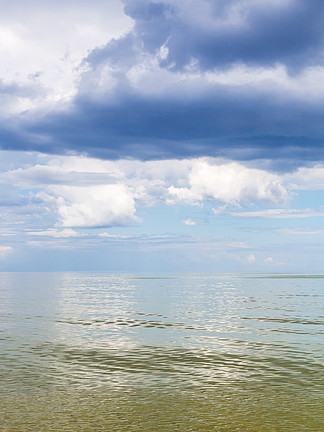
x=99, y=352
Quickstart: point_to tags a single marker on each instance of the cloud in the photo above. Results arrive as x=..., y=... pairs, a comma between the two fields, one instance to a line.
x=52, y=232
x=76, y=191
x=5, y=251
x=116, y=236
x=219, y=210
x=301, y=231
x=307, y=178
x=251, y=259
x=229, y=183
x=202, y=118
x=218, y=34
x=87, y=192
x=43, y=53
x=189, y=222
x=268, y=260
x=172, y=79
x=137, y=239
x=94, y=206
x=282, y=213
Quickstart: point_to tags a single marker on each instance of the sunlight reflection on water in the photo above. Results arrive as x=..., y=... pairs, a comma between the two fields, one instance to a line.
x=98, y=352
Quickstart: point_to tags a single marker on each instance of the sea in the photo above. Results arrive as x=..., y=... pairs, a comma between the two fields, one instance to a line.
x=119, y=352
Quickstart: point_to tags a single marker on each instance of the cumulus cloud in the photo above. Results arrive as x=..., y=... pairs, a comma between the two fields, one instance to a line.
x=307, y=178
x=229, y=183
x=94, y=206
x=87, y=192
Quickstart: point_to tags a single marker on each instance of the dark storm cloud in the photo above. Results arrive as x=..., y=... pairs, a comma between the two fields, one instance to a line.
x=261, y=33
x=224, y=123
x=189, y=118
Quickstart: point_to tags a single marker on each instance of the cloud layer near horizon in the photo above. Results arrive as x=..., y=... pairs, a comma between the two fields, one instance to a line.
x=76, y=191
x=241, y=80
x=76, y=212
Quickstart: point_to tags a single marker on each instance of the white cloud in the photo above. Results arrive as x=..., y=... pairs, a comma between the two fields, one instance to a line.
x=189, y=222
x=306, y=178
x=94, y=206
x=52, y=232
x=301, y=231
x=108, y=192
x=269, y=260
x=5, y=251
x=281, y=213
x=88, y=192
x=44, y=51
x=219, y=210
x=116, y=236
x=250, y=259
x=230, y=183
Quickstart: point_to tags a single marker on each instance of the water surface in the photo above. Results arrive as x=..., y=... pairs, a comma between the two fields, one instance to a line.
x=108, y=352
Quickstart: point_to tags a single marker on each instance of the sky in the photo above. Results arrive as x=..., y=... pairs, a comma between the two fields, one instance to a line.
x=162, y=136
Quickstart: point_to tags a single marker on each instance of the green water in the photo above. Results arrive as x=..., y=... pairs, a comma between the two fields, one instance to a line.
x=102, y=352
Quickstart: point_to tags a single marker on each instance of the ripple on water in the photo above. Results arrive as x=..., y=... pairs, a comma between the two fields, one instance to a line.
x=95, y=352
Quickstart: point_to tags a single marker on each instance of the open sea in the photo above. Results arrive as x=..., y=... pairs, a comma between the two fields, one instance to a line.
x=131, y=353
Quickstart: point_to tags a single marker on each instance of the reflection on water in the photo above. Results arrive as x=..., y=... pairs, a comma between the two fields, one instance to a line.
x=99, y=352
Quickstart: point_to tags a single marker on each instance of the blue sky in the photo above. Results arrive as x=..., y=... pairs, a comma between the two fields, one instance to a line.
x=162, y=135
